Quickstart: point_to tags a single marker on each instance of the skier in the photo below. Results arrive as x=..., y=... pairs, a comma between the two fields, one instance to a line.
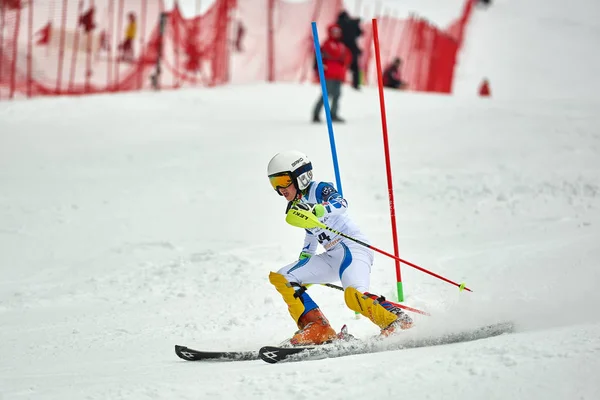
x=336, y=58
x=391, y=76
x=126, y=47
x=291, y=175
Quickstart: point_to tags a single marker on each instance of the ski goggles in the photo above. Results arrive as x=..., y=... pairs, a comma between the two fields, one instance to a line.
x=281, y=180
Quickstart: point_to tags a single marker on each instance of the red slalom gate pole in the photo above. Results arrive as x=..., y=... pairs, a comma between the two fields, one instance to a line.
x=387, y=161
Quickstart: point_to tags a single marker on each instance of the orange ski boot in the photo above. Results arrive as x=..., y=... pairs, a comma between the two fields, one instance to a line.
x=314, y=330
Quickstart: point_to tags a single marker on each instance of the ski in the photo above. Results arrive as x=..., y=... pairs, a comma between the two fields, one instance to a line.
x=274, y=354
x=188, y=354
x=347, y=345
x=341, y=348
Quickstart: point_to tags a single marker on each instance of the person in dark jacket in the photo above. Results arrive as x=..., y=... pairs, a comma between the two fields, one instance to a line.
x=391, y=76
x=336, y=58
x=351, y=31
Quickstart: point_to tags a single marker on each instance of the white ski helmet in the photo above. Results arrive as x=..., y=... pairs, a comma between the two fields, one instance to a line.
x=290, y=167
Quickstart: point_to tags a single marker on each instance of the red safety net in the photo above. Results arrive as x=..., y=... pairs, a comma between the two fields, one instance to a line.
x=76, y=47
x=56, y=47
x=277, y=44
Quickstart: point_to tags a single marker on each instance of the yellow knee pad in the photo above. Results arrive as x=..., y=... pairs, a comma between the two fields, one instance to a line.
x=357, y=301
x=295, y=305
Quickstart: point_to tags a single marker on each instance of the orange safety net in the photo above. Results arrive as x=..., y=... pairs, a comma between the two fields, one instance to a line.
x=58, y=47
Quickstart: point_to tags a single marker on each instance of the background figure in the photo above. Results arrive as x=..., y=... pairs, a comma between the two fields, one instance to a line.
x=239, y=37
x=86, y=20
x=391, y=75
x=350, y=33
x=336, y=58
x=126, y=46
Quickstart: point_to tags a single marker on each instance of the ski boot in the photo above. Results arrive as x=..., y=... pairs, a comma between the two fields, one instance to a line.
x=403, y=322
x=314, y=330
x=381, y=312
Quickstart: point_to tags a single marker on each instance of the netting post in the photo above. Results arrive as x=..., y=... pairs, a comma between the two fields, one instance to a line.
x=61, y=48
x=110, y=40
x=270, y=42
x=120, y=52
x=29, y=49
x=89, y=47
x=2, y=24
x=75, y=49
x=15, y=49
x=175, y=29
x=197, y=34
x=155, y=78
x=140, y=63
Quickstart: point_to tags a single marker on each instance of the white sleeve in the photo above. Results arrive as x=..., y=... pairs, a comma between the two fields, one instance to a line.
x=335, y=205
x=310, y=243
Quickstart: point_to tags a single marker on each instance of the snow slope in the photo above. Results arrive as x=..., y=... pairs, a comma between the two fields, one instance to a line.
x=131, y=223
x=534, y=49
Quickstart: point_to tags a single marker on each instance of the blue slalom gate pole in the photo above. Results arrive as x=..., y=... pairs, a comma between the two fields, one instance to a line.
x=336, y=168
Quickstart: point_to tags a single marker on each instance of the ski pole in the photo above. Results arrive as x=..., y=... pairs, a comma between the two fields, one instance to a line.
x=307, y=220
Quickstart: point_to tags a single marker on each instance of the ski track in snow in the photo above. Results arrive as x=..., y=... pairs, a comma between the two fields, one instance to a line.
x=109, y=270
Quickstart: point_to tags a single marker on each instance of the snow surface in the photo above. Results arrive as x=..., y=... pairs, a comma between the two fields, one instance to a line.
x=132, y=223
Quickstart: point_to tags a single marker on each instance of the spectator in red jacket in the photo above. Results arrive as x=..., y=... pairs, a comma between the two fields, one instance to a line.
x=336, y=58
x=391, y=76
